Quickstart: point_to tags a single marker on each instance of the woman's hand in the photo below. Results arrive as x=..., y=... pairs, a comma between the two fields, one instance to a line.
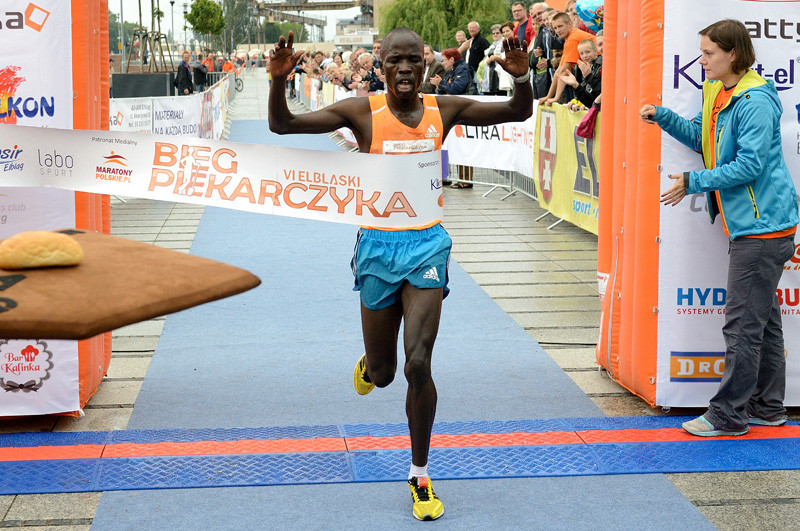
x=435, y=80
x=676, y=192
x=648, y=114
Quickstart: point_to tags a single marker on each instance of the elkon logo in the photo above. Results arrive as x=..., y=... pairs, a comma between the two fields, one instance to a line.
x=34, y=18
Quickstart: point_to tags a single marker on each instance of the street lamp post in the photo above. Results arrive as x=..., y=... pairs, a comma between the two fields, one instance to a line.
x=185, y=37
x=172, y=16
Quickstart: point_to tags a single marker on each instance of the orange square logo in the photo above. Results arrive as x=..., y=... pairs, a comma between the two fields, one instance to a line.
x=35, y=17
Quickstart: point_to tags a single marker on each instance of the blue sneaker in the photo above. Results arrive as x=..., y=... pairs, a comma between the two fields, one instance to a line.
x=703, y=428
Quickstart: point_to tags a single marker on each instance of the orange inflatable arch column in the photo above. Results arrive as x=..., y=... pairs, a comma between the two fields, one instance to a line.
x=90, y=79
x=629, y=198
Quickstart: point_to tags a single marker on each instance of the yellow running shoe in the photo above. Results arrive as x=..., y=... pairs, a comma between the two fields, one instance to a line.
x=426, y=503
x=360, y=379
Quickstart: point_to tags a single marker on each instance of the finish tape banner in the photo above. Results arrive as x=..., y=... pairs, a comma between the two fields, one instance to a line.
x=362, y=189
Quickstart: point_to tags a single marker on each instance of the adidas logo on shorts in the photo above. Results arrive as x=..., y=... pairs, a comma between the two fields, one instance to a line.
x=431, y=274
x=431, y=132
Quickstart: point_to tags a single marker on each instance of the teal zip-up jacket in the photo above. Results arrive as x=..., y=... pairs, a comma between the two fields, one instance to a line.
x=755, y=188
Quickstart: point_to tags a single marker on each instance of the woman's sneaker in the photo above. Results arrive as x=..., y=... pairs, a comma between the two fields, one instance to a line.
x=426, y=503
x=764, y=422
x=703, y=428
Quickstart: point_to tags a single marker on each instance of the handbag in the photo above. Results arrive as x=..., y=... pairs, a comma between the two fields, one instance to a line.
x=585, y=129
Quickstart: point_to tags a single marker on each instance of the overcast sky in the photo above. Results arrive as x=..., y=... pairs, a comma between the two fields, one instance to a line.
x=131, y=14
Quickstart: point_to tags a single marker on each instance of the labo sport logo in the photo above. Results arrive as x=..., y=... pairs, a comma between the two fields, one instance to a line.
x=34, y=18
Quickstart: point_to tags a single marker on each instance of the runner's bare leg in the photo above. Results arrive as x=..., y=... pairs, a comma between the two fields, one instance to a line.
x=421, y=309
x=380, y=329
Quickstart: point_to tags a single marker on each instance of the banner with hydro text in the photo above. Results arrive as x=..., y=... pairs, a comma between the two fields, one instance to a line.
x=566, y=167
x=508, y=146
x=36, y=376
x=693, y=259
x=362, y=189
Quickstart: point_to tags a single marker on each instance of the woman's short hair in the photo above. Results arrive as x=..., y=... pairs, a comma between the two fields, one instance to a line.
x=452, y=53
x=509, y=24
x=730, y=34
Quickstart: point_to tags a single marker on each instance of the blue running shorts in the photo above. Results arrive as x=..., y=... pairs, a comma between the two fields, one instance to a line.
x=383, y=260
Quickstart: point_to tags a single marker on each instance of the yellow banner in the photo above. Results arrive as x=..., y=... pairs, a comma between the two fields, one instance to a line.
x=565, y=167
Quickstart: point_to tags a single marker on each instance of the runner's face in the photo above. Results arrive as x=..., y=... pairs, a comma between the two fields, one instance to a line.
x=403, y=65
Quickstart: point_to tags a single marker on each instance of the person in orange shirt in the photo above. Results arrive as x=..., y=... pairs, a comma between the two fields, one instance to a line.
x=209, y=62
x=401, y=275
x=562, y=25
x=748, y=185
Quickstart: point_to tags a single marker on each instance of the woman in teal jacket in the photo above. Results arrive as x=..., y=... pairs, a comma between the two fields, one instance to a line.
x=747, y=183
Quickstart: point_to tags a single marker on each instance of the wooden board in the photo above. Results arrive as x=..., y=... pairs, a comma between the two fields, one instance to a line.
x=119, y=282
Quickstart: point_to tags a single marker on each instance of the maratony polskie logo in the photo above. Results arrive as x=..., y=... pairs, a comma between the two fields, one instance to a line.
x=24, y=365
x=113, y=168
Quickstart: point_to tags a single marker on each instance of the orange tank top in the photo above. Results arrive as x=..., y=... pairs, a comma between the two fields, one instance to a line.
x=392, y=137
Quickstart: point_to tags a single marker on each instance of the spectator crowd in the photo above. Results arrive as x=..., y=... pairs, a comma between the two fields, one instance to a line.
x=565, y=57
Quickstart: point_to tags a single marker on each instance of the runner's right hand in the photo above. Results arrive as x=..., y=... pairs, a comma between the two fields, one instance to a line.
x=282, y=60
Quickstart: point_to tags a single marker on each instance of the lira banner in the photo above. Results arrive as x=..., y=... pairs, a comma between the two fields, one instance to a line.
x=506, y=147
x=362, y=189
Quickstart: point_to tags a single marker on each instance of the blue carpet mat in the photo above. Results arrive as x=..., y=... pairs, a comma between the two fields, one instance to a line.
x=282, y=355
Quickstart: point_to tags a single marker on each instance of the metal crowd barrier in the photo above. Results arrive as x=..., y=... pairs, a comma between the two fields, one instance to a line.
x=508, y=180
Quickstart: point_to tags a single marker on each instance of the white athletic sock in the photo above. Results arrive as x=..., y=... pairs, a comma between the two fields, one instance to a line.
x=418, y=471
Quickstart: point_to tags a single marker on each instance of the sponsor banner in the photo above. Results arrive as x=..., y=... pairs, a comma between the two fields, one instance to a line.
x=361, y=189
x=35, y=90
x=693, y=256
x=201, y=115
x=566, y=168
x=35, y=87
x=134, y=115
x=178, y=115
x=507, y=146
x=207, y=115
x=37, y=377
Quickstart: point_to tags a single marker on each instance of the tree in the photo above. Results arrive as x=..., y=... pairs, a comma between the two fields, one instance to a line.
x=237, y=21
x=437, y=21
x=273, y=31
x=205, y=17
x=113, y=33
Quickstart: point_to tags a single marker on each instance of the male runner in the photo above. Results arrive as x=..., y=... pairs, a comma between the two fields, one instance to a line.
x=402, y=275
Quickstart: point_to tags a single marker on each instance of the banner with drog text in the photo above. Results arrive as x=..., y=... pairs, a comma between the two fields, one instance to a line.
x=362, y=189
x=693, y=254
